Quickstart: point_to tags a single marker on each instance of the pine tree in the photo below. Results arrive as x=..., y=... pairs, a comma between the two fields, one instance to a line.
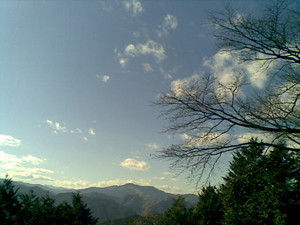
x=209, y=207
x=261, y=187
x=10, y=207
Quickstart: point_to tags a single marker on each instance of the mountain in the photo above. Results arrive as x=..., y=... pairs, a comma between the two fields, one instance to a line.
x=114, y=202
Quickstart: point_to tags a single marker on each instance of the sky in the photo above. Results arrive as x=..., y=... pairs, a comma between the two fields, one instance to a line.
x=78, y=81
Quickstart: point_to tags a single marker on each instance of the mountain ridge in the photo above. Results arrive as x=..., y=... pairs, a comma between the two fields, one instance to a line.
x=112, y=202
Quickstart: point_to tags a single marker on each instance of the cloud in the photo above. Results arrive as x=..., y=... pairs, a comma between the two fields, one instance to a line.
x=148, y=48
x=133, y=164
x=168, y=76
x=153, y=146
x=19, y=167
x=28, y=176
x=10, y=161
x=170, y=189
x=57, y=127
x=245, y=137
x=6, y=140
x=178, y=86
x=92, y=131
x=76, y=184
x=133, y=6
x=167, y=173
x=147, y=67
x=123, y=62
x=225, y=66
x=76, y=131
x=203, y=138
x=85, y=138
x=170, y=23
x=159, y=178
x=104, y=78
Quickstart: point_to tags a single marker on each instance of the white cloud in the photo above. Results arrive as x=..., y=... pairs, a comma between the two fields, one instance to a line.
x=6, y=140
x=178, y=86
x=123, y=62
x=170, y=23
x=133, y=6
x=168, y=173
x=149, y=48
x=28, y=176
x=143, y=182
x=133, y=164
x=85, y=138
x=57, y=127
x=92, y=131
x=170, y=189
x=19, y=167
x=104, y=78
x=76, y=184
x=9, y=160
x=168, y=76
x=245, y=137
x=32, y=160
x=159, y=178
x=153, y=146
x=225, y=66
x=147, y=67
x=76, y=131
x=204, y=138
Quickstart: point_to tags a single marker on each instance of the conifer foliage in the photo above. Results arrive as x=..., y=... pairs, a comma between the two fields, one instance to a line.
x=29, y=209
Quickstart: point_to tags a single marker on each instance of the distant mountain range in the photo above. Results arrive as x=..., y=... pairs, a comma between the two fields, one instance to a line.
x=114, y=202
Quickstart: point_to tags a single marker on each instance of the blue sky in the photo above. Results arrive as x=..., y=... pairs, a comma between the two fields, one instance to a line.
x=78, y=79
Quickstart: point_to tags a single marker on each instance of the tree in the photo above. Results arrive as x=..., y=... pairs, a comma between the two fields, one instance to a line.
x=212, y=115
x=209, y=208
x=10, y=207
x=81, y=213
x=262, y=187
x=178, y=214
x=29, y=209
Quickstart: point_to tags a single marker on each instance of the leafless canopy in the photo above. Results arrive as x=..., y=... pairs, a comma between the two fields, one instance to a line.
x=214, y=117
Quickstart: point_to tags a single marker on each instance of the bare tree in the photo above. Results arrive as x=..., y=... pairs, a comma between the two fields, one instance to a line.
x=214, y=117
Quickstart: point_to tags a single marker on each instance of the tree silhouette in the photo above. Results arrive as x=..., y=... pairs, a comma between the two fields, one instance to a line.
x=212, y=115
x=261, y=187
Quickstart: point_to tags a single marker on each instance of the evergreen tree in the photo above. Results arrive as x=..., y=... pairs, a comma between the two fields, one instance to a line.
x=10, y=207
x=82, y=214
x=261, y=187
x=209, y=208
x=29, y=209
x=179, y=214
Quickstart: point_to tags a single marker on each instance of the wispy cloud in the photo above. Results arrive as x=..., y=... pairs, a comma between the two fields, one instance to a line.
x=167, y=173
x=92, y=131
x=133, y=164
x=159, y=178
x=168, y=76
x=224, y=66
x=148, y=48
x=170, y=23
x=85, y=138
x=153, y=146
x=133, y=6
x=20, y=167
x=6, y=140
x=57, y=127
x=104, y=78
x=12, y=161
x=147, y=67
